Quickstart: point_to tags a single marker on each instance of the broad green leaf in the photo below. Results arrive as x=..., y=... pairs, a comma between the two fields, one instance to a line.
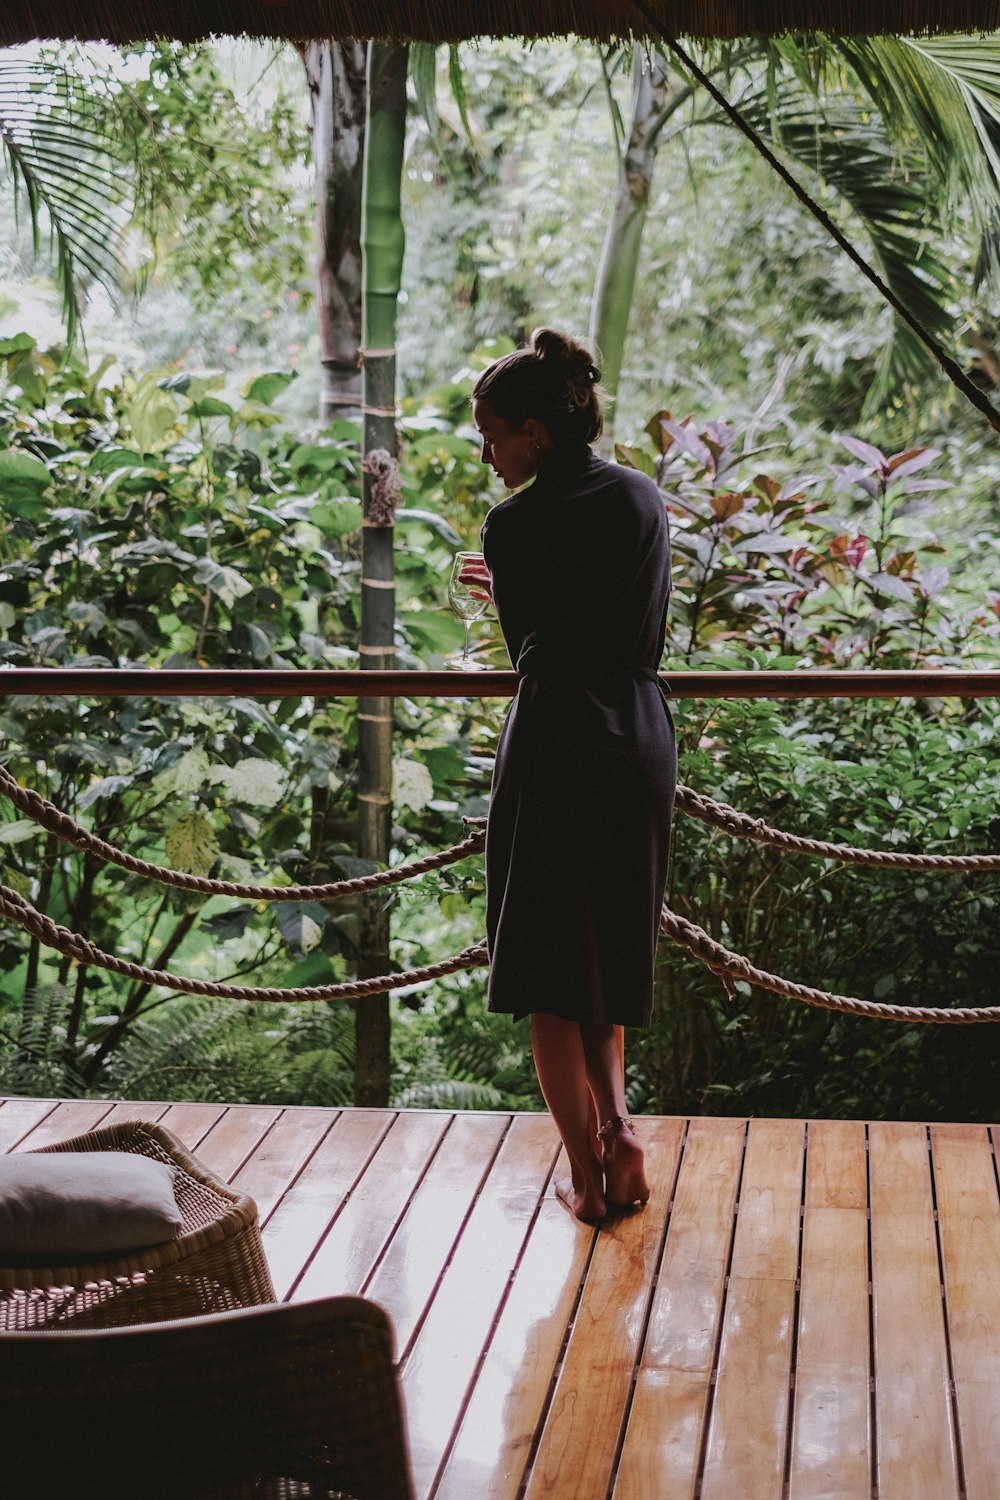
x=433, y=522
x=411, y=784
x=29, y=372
x=635, y=458
x=18, y=831
x=192, y=844
x=432, y=630
x=22, y=473
x=209, y=406
x=106, y=787
x=265, y=387
x=152, y=414
x=337, y=517
x=17, y=882
x=18, y=343
x=187, y=774
x=423, y=71
x=229, y=584
x=260, y=783
x=315, y=456
x=300, y=923
x=316, y=969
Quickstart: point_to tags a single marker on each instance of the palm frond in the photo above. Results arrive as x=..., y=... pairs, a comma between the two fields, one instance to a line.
x=842, y=145
x=65, y=163
x=942, y=95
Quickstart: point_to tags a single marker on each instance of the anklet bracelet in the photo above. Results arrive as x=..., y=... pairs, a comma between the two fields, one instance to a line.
x=609, y=1125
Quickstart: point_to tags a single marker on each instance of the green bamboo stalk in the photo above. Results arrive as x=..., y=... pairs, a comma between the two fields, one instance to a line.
x=383, y=264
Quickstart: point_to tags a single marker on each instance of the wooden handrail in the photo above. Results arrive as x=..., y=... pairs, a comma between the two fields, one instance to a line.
x=138, y=682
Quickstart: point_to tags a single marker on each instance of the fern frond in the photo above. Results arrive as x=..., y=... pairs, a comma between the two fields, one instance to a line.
x=450, y=1094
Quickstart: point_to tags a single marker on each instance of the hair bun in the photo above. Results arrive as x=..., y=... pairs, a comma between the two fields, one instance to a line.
x=550, y=344
x=553, y=378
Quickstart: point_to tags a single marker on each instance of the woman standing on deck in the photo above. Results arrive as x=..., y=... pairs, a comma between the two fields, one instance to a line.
x=578, y=565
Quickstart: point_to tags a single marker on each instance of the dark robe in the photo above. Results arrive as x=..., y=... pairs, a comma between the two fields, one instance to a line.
x=583, y=789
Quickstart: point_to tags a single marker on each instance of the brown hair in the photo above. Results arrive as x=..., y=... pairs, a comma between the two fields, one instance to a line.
x=554, y=379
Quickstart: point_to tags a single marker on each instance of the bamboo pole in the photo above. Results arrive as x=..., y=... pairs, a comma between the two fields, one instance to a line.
x=382, y=237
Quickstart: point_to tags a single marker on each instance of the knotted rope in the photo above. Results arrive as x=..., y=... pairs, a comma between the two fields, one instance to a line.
x=53, y=820
x=696, y=804
x=742, y=826
x=73, y=945
x=728, y=966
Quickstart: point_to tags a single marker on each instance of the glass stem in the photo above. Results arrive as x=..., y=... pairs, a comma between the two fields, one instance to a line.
x=465, y=653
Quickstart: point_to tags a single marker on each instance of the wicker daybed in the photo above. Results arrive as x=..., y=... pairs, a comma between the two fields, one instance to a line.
x=214, y=1264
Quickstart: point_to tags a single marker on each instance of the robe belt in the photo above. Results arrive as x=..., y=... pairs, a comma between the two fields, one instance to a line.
x=534, y=662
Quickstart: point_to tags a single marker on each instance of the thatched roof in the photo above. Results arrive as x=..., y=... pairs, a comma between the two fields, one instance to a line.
x=456, y=20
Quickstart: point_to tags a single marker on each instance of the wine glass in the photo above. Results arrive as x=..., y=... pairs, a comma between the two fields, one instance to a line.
x=469, y=601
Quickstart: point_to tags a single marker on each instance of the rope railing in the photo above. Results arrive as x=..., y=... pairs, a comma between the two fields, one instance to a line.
x=695, y=804
x=729, y=967
x=55, y=821
x=73, y=945
x=726, y=965
x=742, y=826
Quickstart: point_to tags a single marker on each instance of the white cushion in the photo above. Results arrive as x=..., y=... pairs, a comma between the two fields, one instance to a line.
x=75, y=1203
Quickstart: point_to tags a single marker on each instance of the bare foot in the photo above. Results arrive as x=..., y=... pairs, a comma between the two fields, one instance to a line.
x=624, y=1168
x=583, y=1193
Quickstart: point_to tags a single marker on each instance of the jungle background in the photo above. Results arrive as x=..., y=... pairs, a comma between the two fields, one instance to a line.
x=171, y=497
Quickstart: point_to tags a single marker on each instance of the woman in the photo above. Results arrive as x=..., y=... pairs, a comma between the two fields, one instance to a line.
x=578, y=565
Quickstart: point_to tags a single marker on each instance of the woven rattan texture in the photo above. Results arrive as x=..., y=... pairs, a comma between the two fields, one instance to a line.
x=215, y=1264
x=292, y=1400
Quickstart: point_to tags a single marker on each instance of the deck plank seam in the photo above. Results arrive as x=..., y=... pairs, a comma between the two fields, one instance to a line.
x=53, y=1105
x=194, y=1143
x=257, y=1141
x=949, y=1356
x=641, y=1342
x=418, y=1323
x=383, y=1250
x=706, y=1425
x=495, y=1323
x=560, y=1358
x=786, y=1481
x=872, y=1393
x=290, y=1184
x=345, y=1198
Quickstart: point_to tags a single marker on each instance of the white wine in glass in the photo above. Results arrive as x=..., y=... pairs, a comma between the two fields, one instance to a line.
x=469, y=601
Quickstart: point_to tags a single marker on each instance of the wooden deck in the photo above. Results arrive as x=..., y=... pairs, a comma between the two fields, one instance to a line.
x=809, y=1311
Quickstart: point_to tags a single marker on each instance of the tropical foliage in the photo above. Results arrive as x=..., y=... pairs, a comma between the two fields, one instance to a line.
x=181, y=507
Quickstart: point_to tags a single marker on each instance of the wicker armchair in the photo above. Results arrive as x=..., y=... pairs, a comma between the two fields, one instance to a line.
x=294, y=1400
x=216, y=1263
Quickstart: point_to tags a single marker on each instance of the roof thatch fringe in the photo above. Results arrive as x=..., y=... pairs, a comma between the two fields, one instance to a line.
x=456, y=20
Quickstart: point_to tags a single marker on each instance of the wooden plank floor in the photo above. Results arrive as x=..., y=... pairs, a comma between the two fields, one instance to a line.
x=803, y=1311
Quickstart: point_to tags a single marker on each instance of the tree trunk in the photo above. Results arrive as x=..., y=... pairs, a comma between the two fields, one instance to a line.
x=383, y=258
x=338, y=93
x=655, y=95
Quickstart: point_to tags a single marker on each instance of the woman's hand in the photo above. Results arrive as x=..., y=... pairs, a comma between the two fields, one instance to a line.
x=477, y=575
